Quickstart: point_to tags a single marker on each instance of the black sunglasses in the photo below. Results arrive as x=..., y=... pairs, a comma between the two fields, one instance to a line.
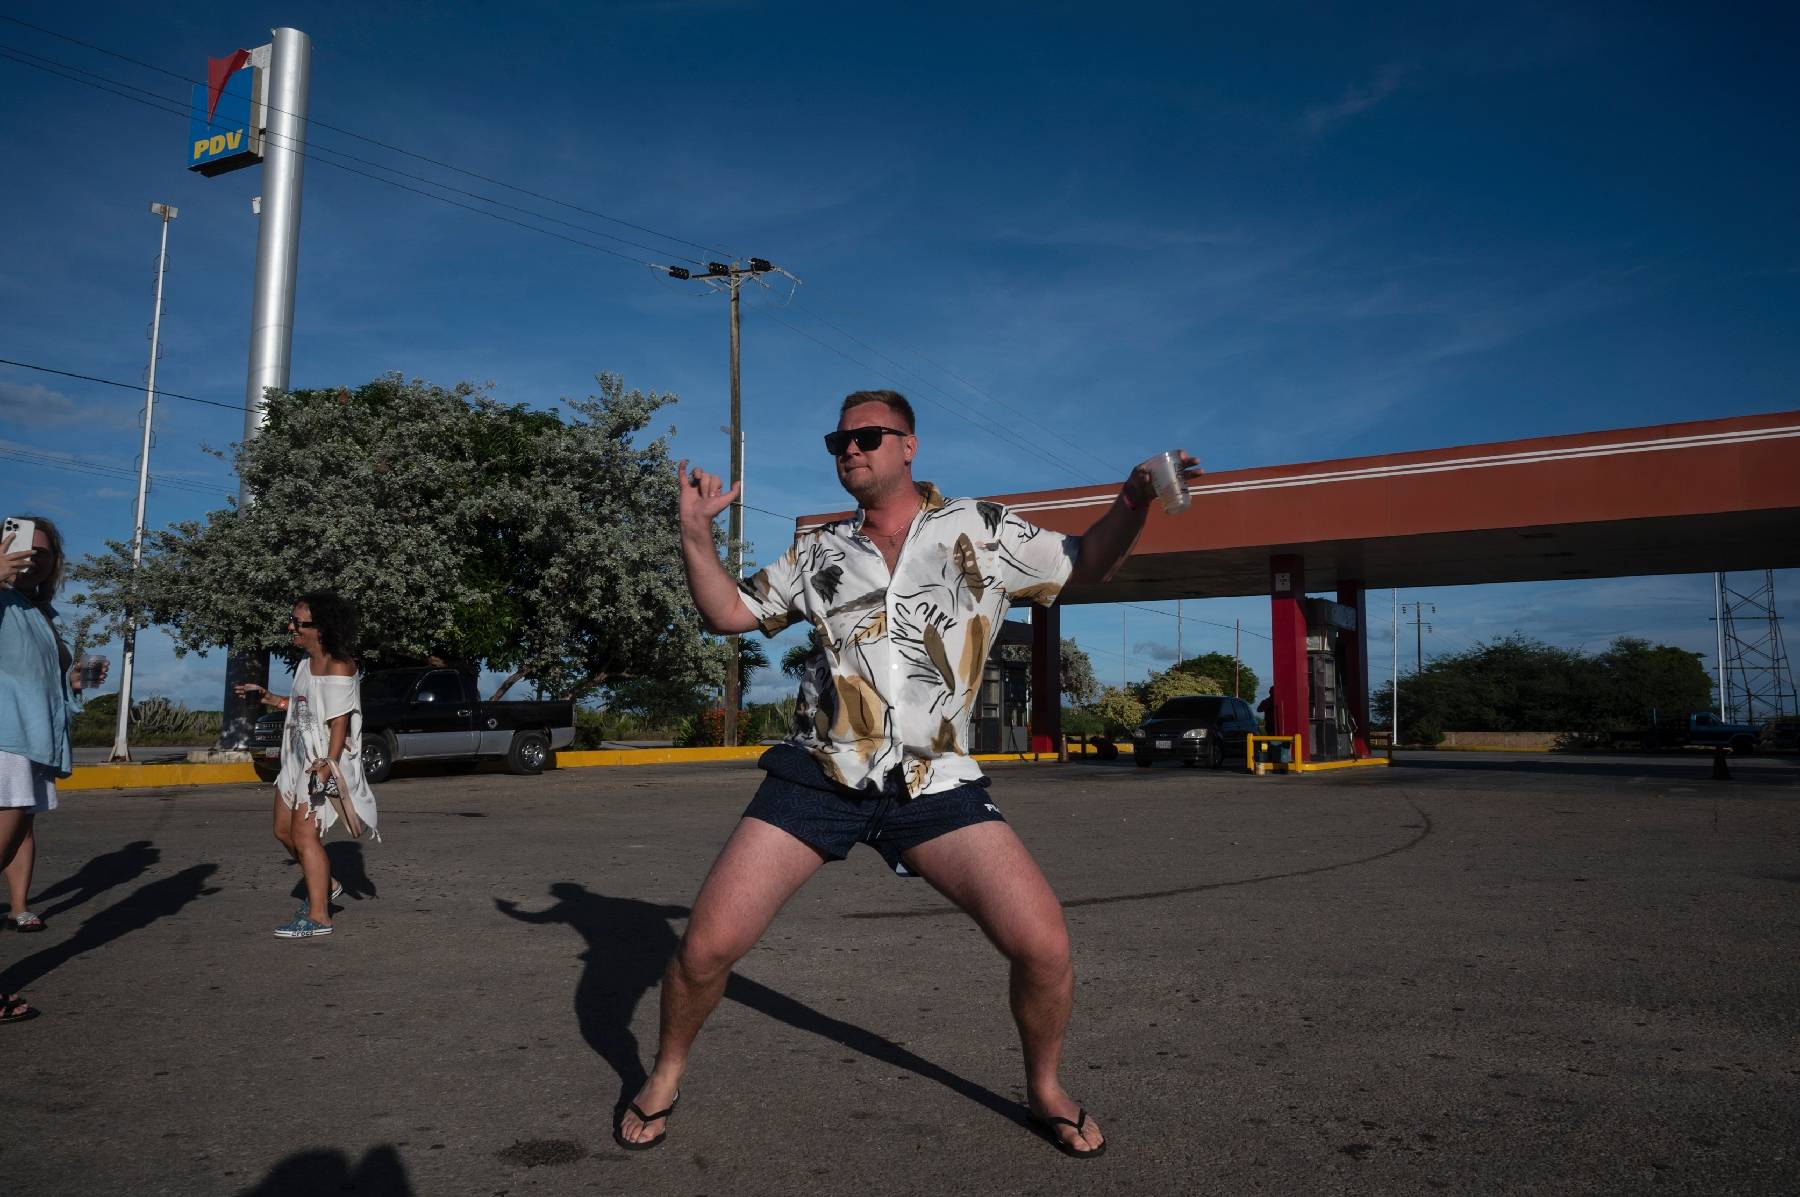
x=868, y=438
x=300, y=623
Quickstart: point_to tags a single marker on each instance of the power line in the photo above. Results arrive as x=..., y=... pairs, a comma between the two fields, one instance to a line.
x=105, y=470
x=312, y=152
x=1192, y=619
x=549, y=199
x=129, y=386
x=884, y=357
x=997, y=431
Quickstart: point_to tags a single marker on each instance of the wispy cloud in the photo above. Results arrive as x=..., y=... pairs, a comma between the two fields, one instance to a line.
x=1356, y=100
x=35, y=405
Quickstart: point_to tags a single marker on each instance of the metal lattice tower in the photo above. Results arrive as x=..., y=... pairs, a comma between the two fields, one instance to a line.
x=1757, y=684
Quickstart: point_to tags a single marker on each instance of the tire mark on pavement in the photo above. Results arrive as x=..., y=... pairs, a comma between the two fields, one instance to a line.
x=1179, y=891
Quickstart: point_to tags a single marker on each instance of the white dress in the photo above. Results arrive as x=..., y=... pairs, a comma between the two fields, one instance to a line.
x=313, y=703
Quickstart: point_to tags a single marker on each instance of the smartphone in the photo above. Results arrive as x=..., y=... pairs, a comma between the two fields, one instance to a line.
x=17, y=534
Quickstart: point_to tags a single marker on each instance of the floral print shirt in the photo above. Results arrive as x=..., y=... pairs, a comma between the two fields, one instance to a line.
x=903, y=653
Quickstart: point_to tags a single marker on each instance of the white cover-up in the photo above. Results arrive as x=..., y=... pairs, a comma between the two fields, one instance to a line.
x=306, y=737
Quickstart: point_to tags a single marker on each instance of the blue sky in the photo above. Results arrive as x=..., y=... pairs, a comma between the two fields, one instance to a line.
x=1298, y=233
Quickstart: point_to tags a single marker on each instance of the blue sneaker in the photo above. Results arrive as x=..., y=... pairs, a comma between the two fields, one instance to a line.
x=302, y=928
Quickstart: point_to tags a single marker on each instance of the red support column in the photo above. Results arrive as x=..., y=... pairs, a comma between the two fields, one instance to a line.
x=1353, y=652
x=1046, y=678
x=1287, y=626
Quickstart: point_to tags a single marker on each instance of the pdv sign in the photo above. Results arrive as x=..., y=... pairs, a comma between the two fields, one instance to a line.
x=224, y=129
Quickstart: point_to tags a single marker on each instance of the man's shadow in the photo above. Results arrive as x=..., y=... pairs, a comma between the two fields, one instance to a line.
x=147, y=904
x=349, y=869
x=121, y=866
x=380, y=1173
x=630, y=943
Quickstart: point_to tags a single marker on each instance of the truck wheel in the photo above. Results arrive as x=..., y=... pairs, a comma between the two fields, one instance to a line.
x=529, y=753
x=1215, y=753
x=266, y=769
x=377, y=758
x=1742, y=746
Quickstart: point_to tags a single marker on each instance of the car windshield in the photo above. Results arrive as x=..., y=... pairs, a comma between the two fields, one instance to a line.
x=1190, y=707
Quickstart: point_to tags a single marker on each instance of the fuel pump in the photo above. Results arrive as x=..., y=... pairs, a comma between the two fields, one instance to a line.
x=1002, y=720
x=1329, y=722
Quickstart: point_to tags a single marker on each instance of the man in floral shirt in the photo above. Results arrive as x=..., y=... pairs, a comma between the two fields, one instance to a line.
x=906, y=597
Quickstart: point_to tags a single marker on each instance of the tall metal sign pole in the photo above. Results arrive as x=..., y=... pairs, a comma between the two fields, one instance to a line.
x=121, y=749
x=286, y=85
x=732, y=277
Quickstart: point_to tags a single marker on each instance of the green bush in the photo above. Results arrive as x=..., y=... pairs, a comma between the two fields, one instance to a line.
x=1117, y=711
x=1424, y=732
x=1080, y=721
x=1176, y=683
x=155, y=722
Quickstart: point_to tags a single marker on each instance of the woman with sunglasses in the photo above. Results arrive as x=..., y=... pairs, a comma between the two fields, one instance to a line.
x=37, y=685
x=321, y=781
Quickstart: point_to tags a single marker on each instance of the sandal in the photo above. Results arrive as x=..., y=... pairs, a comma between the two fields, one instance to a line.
x=27, y=921
x=14, y=1008
x=1047, y=1124
x=647, y=1144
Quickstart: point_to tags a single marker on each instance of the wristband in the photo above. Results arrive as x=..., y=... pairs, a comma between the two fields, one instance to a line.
x=1125, y=498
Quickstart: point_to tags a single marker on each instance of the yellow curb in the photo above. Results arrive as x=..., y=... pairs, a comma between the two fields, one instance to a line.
x=131, y=777
x=1379, y=762
x=592, y=758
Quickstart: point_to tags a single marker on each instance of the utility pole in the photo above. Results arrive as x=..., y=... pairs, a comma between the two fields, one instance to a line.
x=1719, y=635
x=1394, y=703
x=1420, y=627
x=731, y=277
x=1178, y=657
x=1237, y=656
x=121, y=749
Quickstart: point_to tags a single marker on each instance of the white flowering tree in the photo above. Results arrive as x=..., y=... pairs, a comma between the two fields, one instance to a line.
x=535, y=543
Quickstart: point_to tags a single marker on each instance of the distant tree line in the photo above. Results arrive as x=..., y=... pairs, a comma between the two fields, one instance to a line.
x=1115, y=710
x=1520, y=684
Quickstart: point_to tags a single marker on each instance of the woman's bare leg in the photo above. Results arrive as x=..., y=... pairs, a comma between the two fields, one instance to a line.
x=18, y=870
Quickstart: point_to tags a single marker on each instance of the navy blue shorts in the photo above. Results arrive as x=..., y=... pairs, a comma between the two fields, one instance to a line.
x=797, y=797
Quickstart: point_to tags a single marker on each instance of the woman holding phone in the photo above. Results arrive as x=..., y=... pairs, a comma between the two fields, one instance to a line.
x=38, y=682
x=321, y=781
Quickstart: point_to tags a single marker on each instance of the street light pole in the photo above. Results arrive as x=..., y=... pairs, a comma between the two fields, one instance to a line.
x=121, y=749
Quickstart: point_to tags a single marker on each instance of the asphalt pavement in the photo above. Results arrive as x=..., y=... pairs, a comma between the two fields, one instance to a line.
x=1471, y=973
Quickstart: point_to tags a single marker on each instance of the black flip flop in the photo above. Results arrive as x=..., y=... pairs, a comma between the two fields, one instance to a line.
x=14, y=1008
x=647, y=1119
x=1047, y=1123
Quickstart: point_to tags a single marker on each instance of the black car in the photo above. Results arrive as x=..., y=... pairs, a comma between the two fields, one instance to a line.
x=1194, y=728
x=434, y=713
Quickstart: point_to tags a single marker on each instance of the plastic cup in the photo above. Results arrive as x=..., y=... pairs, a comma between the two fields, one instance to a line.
x=1171, y=487
x=92, y=669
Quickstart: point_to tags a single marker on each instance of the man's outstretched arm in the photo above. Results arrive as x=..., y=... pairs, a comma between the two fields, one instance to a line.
x=715, y=592
x=1105, y=545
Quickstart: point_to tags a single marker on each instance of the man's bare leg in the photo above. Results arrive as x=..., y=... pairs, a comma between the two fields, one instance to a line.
x=986, y=871
x=757, y=871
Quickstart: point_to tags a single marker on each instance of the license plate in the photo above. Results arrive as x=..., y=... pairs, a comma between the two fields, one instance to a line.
x=271, y=754
x=1163, y=743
